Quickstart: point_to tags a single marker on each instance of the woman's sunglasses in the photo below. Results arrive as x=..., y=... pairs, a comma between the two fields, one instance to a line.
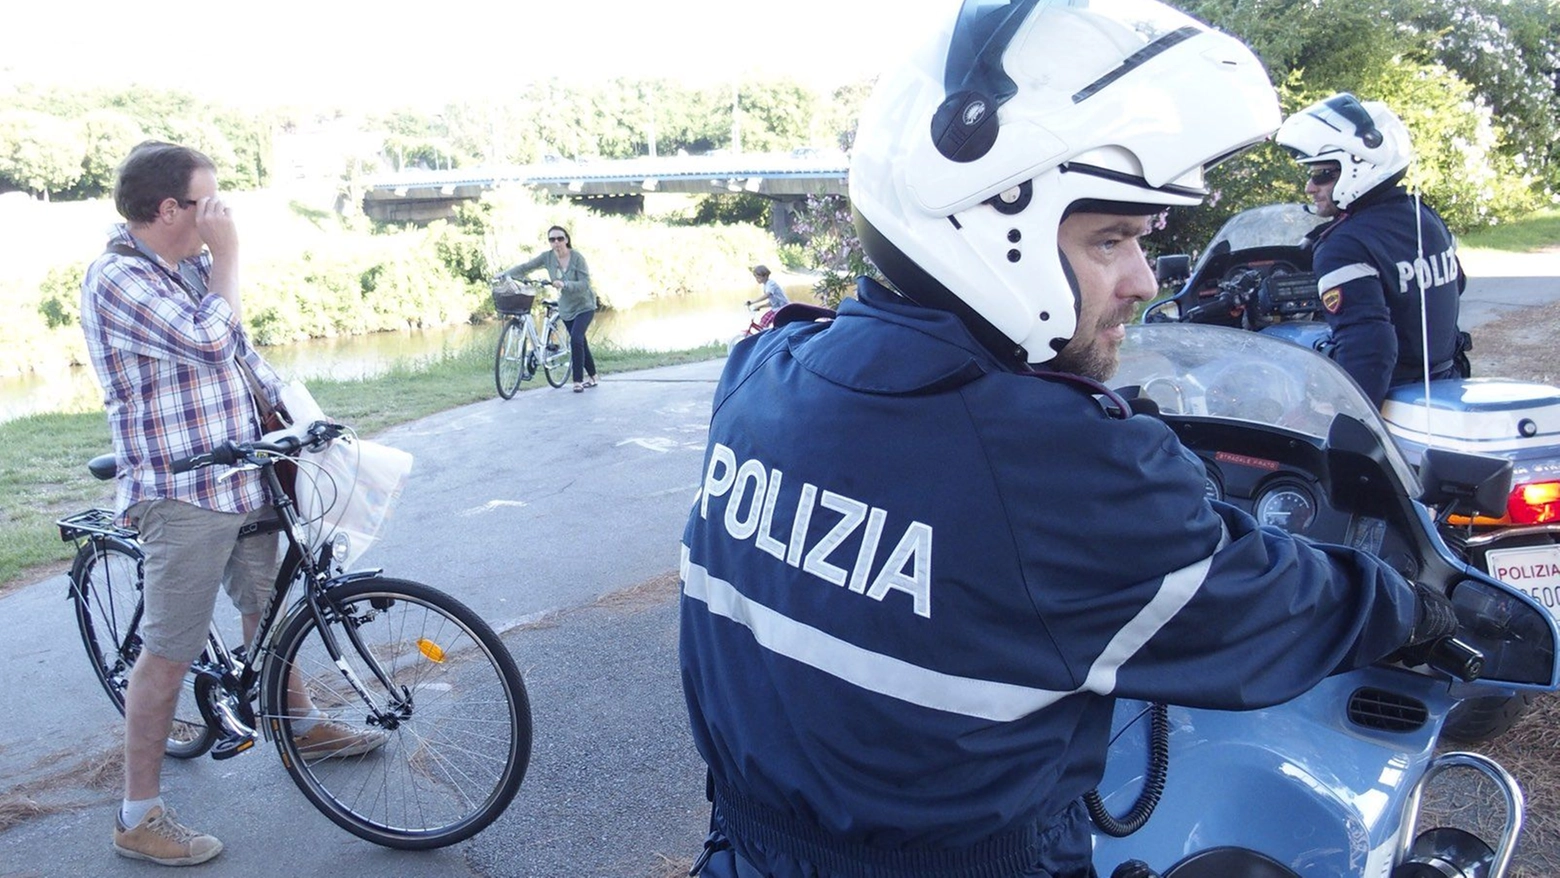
x=556, y=238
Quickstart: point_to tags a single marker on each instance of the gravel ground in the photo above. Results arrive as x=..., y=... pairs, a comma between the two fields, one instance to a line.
x=1519, y=345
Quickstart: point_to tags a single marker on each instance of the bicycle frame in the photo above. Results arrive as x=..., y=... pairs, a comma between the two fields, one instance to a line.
x=523, y=349
x=529, y=325
x=237, y=674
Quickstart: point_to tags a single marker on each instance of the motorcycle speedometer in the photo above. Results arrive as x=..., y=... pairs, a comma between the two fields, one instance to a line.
x=1288, y=505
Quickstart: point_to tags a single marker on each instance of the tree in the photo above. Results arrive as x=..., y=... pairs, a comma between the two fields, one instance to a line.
x=840, y=112
x=1392, y=50
x=776, y=116
x=109, y=136
x=39, y=152
x=1508, y=51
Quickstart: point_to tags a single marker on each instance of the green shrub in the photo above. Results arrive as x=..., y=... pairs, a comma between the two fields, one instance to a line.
x=59, y=296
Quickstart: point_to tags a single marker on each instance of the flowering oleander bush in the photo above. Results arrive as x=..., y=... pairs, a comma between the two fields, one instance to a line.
x=824, y=239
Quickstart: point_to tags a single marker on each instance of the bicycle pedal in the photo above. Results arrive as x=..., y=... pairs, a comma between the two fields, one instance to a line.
x=231, y=746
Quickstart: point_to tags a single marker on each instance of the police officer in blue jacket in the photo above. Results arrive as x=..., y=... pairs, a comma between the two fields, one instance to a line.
x=924, y=558
x=1383, y=254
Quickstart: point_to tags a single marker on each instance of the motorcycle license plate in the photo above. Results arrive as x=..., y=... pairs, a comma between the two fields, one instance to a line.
x=1533, y=569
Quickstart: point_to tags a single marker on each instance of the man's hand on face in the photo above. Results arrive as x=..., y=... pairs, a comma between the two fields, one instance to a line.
x=214, y=222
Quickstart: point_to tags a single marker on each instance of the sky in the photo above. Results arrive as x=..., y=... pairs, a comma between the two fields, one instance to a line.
x=351, y=52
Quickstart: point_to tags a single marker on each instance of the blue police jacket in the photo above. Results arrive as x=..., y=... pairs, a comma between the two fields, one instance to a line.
x=1370, y=277
x=914, y=578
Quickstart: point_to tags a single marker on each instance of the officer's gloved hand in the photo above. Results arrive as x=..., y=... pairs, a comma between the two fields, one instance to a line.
x=1434, y=620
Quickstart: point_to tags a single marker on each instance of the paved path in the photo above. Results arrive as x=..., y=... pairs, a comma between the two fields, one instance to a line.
x=1502, y=283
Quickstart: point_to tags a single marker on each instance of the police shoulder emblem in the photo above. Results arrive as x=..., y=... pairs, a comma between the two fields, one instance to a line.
x=1332, y=300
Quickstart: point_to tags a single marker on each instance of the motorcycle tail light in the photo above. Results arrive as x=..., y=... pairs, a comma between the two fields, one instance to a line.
x=1534, y=503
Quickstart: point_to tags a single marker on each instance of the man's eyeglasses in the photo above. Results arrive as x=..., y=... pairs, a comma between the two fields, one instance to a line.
x=185, y=202
x=552, y=238
x=1323, y=176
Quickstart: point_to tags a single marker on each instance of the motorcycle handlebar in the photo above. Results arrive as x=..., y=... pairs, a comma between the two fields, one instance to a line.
x=1223, y=301
x=1457, y=658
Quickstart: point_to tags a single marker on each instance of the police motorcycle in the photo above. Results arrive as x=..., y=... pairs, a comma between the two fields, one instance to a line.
x=1329, y=784
x=1256, y=275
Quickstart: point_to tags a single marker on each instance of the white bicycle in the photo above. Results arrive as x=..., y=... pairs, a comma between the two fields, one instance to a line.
x=521, y=346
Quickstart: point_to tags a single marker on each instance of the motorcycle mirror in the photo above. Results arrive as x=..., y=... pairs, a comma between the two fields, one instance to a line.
x=1469, y=483
x=1360, y=478
x=1173, y=268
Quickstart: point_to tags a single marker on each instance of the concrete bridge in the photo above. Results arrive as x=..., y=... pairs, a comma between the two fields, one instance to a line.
x=618, y=185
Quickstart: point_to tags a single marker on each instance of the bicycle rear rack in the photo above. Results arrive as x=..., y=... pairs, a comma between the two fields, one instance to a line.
x=93, y=522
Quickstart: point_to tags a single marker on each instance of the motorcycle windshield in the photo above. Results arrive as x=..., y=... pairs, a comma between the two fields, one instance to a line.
x=1229, y=374
x=1272, y=225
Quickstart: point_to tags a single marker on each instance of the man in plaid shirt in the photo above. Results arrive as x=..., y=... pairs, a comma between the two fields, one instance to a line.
x=162, y=313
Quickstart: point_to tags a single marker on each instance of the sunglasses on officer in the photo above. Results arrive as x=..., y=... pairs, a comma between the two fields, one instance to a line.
x=1323, y=176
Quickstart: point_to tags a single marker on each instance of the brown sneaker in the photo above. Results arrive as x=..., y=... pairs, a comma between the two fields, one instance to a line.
x=160, y=838
x=329, y=739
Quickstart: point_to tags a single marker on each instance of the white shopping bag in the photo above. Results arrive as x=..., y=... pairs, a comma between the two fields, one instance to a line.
x=348, y=489
x=299, y=410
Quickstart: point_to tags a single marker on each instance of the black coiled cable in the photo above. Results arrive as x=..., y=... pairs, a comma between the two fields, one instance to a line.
x=1153, y=782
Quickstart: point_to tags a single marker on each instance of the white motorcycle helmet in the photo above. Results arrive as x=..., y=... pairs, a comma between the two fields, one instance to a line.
x=968, y=157
x=1367, y=140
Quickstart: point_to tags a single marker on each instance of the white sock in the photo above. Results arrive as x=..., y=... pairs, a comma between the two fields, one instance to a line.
x=132, y=812
x=301, y=725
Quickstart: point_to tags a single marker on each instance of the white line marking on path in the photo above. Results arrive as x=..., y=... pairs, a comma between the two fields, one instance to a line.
x=491, y=505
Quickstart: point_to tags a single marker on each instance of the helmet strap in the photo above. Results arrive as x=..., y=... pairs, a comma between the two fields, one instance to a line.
x=1072, y=285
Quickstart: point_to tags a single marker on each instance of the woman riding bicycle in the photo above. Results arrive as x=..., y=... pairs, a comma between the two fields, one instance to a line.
x=576, y=300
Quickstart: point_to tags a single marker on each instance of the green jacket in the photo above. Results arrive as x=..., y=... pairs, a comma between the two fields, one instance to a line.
x=576, y=297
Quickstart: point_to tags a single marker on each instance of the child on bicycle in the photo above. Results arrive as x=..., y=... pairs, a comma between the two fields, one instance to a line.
x=770, y=291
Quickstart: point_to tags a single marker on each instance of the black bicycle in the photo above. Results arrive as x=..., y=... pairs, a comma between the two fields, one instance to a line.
x=396, y=660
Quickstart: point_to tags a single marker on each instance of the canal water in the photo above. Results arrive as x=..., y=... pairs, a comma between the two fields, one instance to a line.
x=659, y=325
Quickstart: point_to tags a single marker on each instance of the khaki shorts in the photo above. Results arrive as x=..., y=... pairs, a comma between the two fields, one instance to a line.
x=189, y=552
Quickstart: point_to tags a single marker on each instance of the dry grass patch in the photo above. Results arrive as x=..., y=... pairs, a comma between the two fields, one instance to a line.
x=17, y=809
x=1519, y=345
x=651, y=593
x=68, y=789
x=1531, y=752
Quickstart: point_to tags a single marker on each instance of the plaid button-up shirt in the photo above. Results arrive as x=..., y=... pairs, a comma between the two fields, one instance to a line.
x=170, y=383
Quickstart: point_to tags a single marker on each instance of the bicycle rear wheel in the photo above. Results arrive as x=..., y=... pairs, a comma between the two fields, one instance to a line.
x=106, y=593
x=456, y=725
x=555, y=353
x=510, y=358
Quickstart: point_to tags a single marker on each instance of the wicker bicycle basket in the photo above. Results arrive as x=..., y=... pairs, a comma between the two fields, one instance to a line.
x=511, y=298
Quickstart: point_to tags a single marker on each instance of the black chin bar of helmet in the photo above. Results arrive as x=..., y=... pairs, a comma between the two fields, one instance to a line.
x=964, y=127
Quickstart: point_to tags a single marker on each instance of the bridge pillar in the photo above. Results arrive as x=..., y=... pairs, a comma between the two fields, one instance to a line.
x=781, y=211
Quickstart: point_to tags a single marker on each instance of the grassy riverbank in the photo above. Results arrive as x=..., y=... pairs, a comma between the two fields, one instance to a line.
x=43, y=476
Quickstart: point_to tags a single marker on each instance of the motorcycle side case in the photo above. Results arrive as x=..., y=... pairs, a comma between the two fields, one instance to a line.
x=1517, y=420
x=1309, y=783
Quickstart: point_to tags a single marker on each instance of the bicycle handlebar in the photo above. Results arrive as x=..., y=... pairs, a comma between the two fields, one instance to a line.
x=522, y=281
x=260, y=451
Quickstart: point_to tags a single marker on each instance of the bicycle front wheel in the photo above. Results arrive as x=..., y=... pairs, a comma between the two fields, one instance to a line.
x=509, y=359
x=440, y=752
x=555, y=353
x=106, y=593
